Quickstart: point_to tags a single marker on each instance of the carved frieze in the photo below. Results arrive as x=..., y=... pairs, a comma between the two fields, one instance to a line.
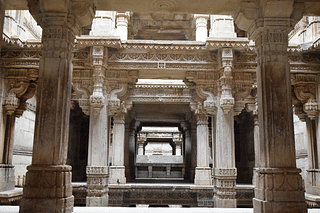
x=226, y=182
x=21, y=58
x=93, y=170
x=226, y=80
x=160, y=93
x=83, y=42
x=194, y=57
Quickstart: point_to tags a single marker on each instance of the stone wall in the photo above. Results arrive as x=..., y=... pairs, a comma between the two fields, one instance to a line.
x=20, y=25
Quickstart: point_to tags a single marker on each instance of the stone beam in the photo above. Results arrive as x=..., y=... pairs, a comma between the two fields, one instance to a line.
x=312, y=7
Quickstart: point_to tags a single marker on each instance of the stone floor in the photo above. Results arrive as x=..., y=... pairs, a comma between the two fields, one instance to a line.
x=15, y=209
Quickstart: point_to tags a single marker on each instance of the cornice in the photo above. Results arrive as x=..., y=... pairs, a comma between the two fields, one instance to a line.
x=235, y=43
x=89, y=41
x=163, y=45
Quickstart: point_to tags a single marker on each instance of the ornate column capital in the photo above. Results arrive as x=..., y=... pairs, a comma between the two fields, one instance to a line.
x=202, y=119
x=122, y=19
x=304, y=100
x=226, y=81
x=253, y=15
x=177, y=138
x=73, y=14
x=141, y=138
x=21, y=88
x=119, y=118
x=201, y=22
x=84, y=93
x=98, y=53
x=116, y=106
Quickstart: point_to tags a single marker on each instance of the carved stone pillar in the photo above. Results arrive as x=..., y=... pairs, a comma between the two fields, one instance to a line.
x=188, y=154
x=225, y=171
x=285, y=192
x=203, y=171
x=141, y=141
x=256, y=139
x=7, y=171
x=313, y=135
x=222, y=26
x=278, y=182
x=193, y=148
x=117, y=170
x=2, y=13
x=122, y=20
x=103, y=23
x=14, y=104
x=187, y=149
x=177, y=139
x=97, y=168
x=126, y=150
x=132, y=152
x=201, y=27
x=48, y=180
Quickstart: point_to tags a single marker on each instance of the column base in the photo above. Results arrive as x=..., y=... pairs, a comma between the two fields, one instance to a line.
x=7, y=177
x=279, y=190
x=48, y=189
x=225, y=179
x=117, y=175
x=203, y=176
x=97, y=183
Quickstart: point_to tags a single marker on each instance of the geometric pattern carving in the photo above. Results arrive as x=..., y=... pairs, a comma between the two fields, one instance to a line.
x=226, y=182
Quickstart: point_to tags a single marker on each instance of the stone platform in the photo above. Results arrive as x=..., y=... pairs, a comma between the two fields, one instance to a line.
x=15, y=209
x=187, y=195
x=11, y=197
x=313, y=201
x=163, y=194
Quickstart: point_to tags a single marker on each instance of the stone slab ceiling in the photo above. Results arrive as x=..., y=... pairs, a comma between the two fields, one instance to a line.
x=184, y=6
x=161, y=26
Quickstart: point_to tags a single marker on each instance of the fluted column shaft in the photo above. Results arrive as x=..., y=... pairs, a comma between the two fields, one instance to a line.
x=201, y=27
x=97, y=168
x=203, y=171
x=225, y=171
x=117, y=170
x=7, y=171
